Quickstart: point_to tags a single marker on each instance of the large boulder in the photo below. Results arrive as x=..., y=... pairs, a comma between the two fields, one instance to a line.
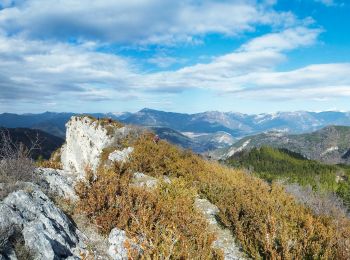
x=86, y=139
x=47, y=232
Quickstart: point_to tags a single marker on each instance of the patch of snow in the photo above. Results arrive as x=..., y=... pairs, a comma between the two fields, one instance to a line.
x=329, y=150
x=234, y=150
x=193, y=135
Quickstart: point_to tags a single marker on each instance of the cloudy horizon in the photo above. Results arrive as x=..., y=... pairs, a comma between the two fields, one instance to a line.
x=189, y=56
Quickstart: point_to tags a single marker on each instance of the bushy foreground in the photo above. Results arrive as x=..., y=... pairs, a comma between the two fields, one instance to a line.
x=267, y=221
x=162, y=222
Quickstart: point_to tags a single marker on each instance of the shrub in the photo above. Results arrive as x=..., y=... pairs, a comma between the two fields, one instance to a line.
x=268, y=222
x=16, y=164
x=162, y=221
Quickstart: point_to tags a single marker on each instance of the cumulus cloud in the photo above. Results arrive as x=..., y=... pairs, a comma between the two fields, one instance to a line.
x=137, y=22
x=289, y=39
x=54, y=69
x=39, y=63
x=40, y=70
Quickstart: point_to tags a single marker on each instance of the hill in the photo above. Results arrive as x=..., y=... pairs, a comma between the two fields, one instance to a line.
x=47, y=143
x=274, y=164
x=330, y=144
x=199, y=143
x=128, y=196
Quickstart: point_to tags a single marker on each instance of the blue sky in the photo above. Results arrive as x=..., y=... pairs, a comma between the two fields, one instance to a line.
x=189, y=56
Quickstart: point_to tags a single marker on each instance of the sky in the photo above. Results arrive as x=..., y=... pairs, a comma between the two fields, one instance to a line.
x=248, y=56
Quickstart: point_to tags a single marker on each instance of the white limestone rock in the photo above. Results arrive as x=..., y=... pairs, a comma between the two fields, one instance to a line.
x=142, y=180
x=224, y=239
x=85, y=140
x=117, y=240
x=121, y=155
x=58, y=182
x=46, y=230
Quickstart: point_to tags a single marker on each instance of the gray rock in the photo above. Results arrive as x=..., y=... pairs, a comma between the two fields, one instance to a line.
x=224, y=239
x=47, y=231
x=58, y=182
x=143, y=180
x=117, y=239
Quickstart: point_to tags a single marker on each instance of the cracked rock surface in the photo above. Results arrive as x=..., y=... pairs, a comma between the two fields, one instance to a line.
x=46, y=230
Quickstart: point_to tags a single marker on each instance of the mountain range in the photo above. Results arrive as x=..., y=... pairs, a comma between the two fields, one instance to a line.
x=200, y=131
x=330, y=144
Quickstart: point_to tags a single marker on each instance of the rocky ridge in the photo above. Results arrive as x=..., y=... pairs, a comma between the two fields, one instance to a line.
x=48, y=232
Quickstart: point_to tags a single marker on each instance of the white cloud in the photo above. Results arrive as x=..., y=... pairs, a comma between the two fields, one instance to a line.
x=326, y=2
x=36, y=66
x=137, y=21
x=37, y=71
x=287, y=40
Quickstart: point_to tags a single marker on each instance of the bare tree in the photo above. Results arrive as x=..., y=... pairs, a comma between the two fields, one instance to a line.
x=16, y=164
x=321, y=203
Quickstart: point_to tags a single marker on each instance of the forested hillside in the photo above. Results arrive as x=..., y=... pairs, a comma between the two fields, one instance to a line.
x=273, y=164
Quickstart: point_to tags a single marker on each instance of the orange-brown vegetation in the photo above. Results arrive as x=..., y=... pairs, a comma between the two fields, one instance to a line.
x=267, y=221
x=162, y=221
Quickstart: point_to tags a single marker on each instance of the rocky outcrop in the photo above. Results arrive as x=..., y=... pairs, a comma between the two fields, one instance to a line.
x=224, y=239
x=46, y=230
x=86, y=138
x=57, y=182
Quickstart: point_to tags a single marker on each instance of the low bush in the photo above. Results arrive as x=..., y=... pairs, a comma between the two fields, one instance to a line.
x=268, y=222
x=163, y=221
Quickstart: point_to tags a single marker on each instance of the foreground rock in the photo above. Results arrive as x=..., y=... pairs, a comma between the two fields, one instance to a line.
x=47, y=232
x=58, y=182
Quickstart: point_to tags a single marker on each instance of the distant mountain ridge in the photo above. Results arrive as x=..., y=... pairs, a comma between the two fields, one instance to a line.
x=330, y=144
x=212, y=124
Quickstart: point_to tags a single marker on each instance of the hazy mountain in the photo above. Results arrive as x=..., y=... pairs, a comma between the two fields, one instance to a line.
x=207, y=130
x=330, y=144
x=47, y=143
x=238, y=124
x=197, y=142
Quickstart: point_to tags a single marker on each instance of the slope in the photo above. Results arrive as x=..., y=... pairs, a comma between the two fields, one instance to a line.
x=330, y=144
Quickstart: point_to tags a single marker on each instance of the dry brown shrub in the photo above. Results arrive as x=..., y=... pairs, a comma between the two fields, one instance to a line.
x=162, y=221
x=267, y=221
x=49, y=164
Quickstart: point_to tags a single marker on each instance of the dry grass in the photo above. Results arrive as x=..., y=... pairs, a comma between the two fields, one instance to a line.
x=49, y=164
